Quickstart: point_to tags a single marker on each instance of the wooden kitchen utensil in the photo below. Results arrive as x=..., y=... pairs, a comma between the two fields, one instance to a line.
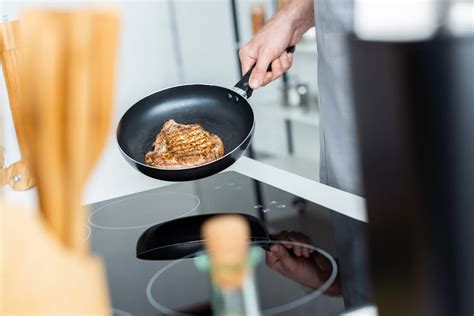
x=3, y=168
x=67, y=78
x=90, y=99
x=68, y=113
x=43, y=110
x=18, y=175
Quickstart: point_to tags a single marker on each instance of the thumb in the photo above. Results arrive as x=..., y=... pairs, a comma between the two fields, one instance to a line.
x=286, y=261
x=260, y=70
x=247, y=63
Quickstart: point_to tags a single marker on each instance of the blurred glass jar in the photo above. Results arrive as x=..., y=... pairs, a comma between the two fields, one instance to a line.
x=296, y=94
x=258, y=17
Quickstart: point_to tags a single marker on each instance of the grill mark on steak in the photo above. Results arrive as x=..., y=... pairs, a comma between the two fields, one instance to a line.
x=184, y=145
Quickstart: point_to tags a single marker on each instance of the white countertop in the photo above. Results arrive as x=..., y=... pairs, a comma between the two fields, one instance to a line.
x=113, y=177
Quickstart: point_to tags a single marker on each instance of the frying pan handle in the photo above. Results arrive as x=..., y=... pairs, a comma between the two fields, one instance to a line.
x=243, y=84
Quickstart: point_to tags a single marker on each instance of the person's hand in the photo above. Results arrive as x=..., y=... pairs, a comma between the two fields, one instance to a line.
x=269, y=45
x=300, y=263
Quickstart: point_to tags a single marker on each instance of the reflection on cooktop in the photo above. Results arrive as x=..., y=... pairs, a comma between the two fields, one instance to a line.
x=301, y=273
x=158, y=291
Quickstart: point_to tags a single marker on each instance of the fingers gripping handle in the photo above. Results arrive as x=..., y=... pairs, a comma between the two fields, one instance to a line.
x=243, y=87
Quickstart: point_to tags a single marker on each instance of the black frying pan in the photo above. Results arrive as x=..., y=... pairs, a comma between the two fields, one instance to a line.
x=219, y=110
x=181, y=237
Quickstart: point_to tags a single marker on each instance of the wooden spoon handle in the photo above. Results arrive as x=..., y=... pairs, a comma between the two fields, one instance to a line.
x=9, y=49
x=3, y=176
x=68, y=112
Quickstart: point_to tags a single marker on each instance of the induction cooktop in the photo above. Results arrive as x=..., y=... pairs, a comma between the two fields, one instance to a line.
x=326, y=275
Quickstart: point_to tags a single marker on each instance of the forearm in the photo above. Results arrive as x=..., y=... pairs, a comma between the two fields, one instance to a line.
x=300, y=13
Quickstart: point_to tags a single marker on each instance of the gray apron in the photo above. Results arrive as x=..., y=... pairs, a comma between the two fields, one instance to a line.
x=339, y=157
x=339, y=150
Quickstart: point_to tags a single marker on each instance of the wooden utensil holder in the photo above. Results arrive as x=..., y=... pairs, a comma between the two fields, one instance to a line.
x=18, y=175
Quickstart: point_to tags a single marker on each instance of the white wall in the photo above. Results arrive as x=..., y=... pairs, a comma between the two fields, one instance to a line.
x=207, y=42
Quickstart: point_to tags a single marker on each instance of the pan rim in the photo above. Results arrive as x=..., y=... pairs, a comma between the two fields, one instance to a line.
x=249, y=134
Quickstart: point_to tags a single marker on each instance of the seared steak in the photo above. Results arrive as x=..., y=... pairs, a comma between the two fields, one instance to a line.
x=183, y=145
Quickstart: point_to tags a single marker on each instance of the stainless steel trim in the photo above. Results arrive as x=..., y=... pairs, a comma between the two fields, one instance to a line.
x=240, y=92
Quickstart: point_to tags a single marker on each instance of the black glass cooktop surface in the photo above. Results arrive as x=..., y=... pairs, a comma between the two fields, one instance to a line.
x=326, y=277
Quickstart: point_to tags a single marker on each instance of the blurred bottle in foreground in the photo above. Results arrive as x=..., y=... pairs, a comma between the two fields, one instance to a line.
x=412, y=80
x=230, y=264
